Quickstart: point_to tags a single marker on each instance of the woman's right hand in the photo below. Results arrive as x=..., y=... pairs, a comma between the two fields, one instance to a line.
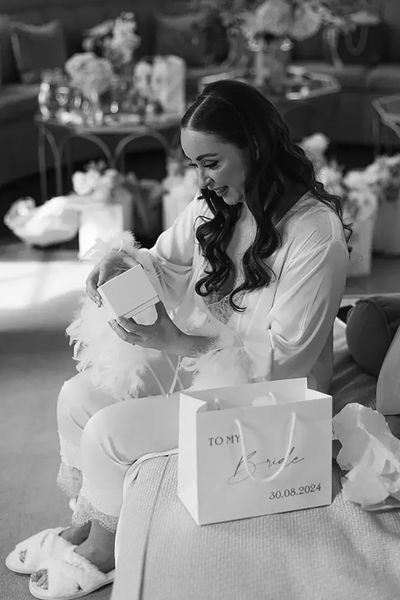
x=114, y=263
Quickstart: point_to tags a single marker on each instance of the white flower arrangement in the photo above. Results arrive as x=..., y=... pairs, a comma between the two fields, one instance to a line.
x=295, y=19
x=97, y=184
x=89, y=73
x=281, y=18
x=114, y=39
x=357, y=188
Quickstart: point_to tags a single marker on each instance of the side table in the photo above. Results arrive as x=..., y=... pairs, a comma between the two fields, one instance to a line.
x=112, y=139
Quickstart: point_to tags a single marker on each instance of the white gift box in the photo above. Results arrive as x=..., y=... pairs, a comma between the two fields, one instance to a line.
x=242, y=455
x=129, y=294
x=168, y=83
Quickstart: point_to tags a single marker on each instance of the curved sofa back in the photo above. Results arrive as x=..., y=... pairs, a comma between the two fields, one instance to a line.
x=76, y=16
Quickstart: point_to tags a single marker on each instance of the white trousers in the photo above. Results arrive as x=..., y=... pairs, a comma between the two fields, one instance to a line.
x=100, y=439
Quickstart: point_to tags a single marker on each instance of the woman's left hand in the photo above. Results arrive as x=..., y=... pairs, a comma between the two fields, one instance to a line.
x=161, y=335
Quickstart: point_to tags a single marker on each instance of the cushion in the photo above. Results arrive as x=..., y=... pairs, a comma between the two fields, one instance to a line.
x=384, y=77
x=371, y=326
x=198, y=37
x=388, y=385
x=18, y=102
x=349, y=76
x=310, y=48
x=360, y=46
x=37, y=48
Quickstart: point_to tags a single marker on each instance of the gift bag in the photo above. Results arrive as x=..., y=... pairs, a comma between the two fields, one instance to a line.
x=168, y=83
x=99, y=222
x=254, y=449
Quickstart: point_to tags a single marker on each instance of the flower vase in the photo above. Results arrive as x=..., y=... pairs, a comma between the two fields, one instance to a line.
x=271, y=62
x=361, y=243
x=387, y=228
x=239, y=53
x=94, y=111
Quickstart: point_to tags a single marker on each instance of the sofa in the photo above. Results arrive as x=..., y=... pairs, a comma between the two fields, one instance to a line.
x=171, y=27
x=370, y=68
x=18, y=100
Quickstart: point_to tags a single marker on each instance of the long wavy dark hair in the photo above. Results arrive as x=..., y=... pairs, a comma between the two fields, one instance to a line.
x=237, y=113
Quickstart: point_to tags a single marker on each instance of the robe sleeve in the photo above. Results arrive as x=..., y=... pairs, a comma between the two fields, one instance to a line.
x=308, y=295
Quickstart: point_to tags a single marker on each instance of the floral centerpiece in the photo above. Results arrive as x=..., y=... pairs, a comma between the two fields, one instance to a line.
x=92, y=76
x=383, y=177
x=359, y=200
x=114, y=39
x=270, y=26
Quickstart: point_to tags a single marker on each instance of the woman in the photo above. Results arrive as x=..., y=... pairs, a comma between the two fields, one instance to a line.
x=250, y=278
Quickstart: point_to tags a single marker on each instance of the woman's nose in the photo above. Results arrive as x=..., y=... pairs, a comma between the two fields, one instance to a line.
x=204, y=179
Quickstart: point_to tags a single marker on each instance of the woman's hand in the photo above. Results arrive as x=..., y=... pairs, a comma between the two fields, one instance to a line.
x=162, y=335
x=110, y=266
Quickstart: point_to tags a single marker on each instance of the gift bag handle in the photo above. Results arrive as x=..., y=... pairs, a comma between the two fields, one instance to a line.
x=285, y=460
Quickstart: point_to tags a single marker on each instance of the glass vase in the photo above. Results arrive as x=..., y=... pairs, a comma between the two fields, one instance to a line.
x=47, y=98
x=272, y=59
x=93, y=110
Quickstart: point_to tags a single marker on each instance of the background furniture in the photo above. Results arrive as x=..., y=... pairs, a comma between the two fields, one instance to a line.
x=162, y=27
x=364, y=73
x=112, y=140
x=18, y=100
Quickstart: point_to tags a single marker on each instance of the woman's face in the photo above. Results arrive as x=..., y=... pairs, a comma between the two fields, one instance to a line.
x=222, y=167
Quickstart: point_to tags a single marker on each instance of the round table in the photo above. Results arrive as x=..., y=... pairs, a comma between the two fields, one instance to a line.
x=112, y=138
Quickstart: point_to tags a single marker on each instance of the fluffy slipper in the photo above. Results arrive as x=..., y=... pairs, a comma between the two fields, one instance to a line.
x=36, y=547
x=69, y=576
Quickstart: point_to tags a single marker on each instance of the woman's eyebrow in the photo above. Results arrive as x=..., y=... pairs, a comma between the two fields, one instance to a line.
x=208, y=154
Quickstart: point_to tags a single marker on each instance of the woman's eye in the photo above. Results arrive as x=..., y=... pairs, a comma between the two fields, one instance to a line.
x=208, y=166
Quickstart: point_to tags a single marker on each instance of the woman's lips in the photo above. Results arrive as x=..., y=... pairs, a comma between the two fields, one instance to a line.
x=221, y=191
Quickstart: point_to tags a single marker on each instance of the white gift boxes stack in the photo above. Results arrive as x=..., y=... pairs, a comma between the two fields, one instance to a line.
x=130, y=294
x=168, y=83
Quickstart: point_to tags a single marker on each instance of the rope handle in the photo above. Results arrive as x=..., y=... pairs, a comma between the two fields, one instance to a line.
x=285, y=460
x=176, y=376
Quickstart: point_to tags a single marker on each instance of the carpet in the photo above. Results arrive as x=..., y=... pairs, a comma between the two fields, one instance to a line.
x=37, y=301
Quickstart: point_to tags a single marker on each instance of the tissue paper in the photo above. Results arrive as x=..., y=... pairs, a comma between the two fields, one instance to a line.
x=371, y=455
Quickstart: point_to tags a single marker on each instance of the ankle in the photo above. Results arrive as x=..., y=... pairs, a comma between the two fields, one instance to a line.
x=76, y=535
x=100, y=555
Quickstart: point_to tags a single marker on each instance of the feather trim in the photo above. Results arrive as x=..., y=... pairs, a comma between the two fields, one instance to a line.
x=115, y=365
x=226, y=363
